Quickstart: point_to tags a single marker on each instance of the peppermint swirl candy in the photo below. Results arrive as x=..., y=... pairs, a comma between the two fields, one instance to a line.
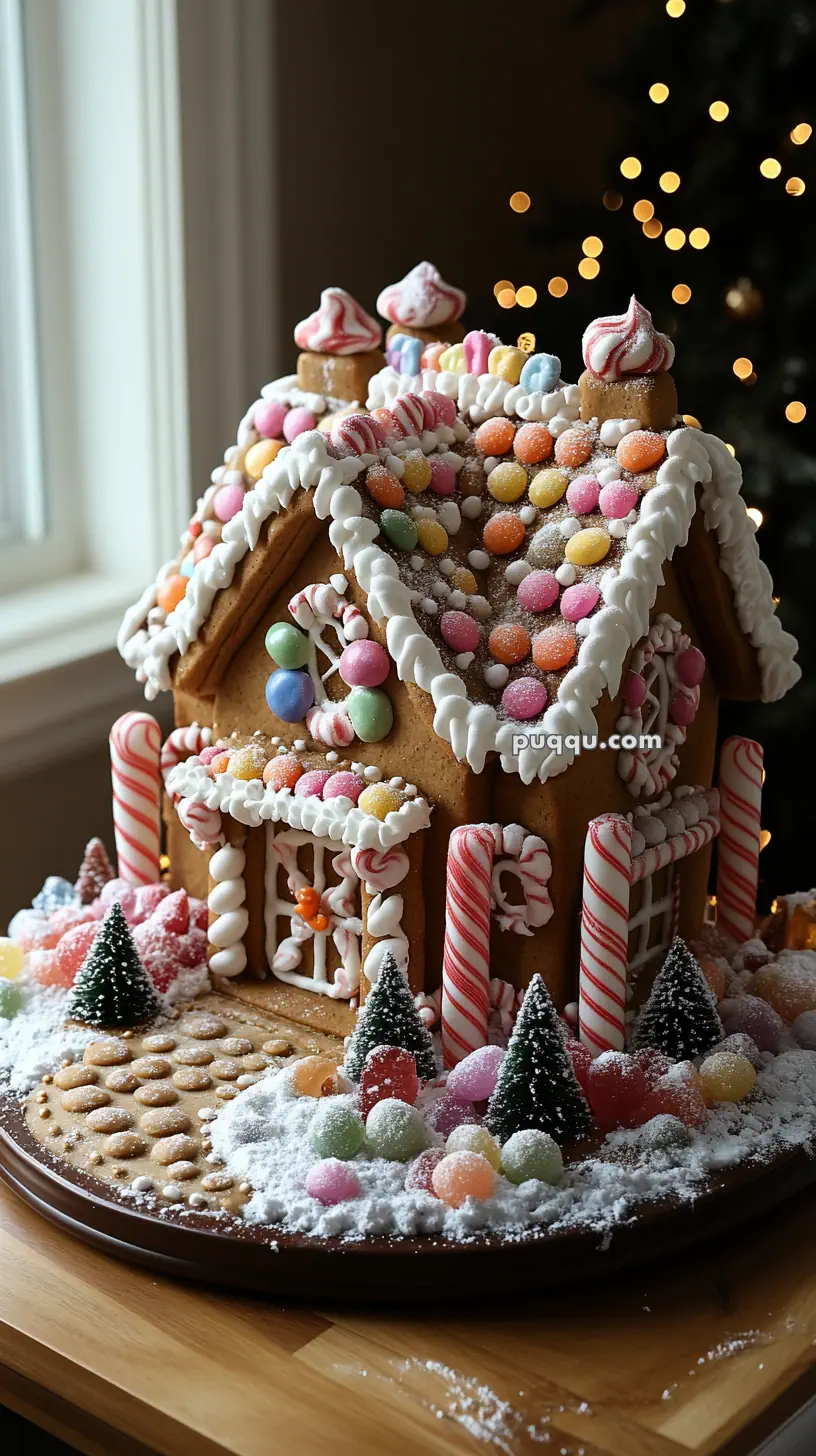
x=329, y=723
x=339, y=326
x=628, y=343
x=422, y=300
x=413, y=414
x=357, y=435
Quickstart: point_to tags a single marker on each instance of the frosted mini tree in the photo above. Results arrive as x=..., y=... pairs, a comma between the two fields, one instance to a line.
x=680, y=1017
x=537, y=1087
x=94, y=872
x=390, y=1018
x=112, y=987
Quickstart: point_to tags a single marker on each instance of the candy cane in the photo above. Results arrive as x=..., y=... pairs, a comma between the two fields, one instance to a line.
x=529, y=860
x=135, y=743
x=202, y=824
x=466, y=953
x=183, y=743
x=604, y=933
x=738, y=854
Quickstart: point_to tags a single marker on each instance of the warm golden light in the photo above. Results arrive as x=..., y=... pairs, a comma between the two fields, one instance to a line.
x=612, y=200
x=795, y=412
x=718, y=111
x=675, y=8
x=794, y=187
x=674, y=239
x=658, y=93
x=699, y=237
x=801, y=134
x=507, y=298
x=643, y=210
x=770, y=167
x=742, y=367
x=764, y=838
x=520, y=201
x=557, y=287
x=756, y=515
x=681, y=293
x=693, y=421
x=592, y=246
x=631, y=167
x=653, y=228
x=526, y=296
x=502, y=286
x=589, y=267
x=669, y=181
x=527, y=342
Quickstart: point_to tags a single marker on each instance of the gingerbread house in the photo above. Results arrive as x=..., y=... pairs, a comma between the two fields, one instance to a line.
x=446, y=666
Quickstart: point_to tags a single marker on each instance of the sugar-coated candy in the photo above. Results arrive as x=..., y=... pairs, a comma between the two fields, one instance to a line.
x=471, y=1137
x=547, y=487
x=268, y=417
x=202, y=548
x=616, y=1088
x=378, y=800
x=399, y=529
x=554, y=648
x=508, y=481
x=495, y=437
x=289, y=695
x=248, y=762
x=313, y=1076
x=532, y=444
x=170, y=592
x=726, y=1077
x=336, y=1130
x=371, y=713
x=804, y=1029
x=448, y=1112
x=173, y=912
x=574, y=446
x=663, y=1131
x=388, y=1072
x=690, y=667
x=433, y=537
x=503, y=533
x=117, y=892
x=416, y=474
x=579, y=600
x=682, y=708
x=311, y=785
x=463, y=580
x=541, y=373
x=547, y=547
x=283, y=772
x=755, y=1017
x=287, y=645
x=364, y=664
x=444, y=409
x=524, y=698
x=506, y=362
x=509, y=643
x=431, y=356
x=419, y=1177
x=332, y=1181
x=538, y=591
x=257, y=458
x=789, y=991
x=474, y=1078
x=588, y=547
x=752, y=955
x=477, y=346
x=452, y=361
x=384, y=488
x=228, y=501
x=395, y=1130
x=443, y=476
x=715, y=972
x=297, y=422
x=617, y=499
x=459, y=631
x=460, y=1176
x=634, y=689
x=10, y=1000
x=640, y=450
x=12, y=958
x=532, y=1154
x=743, y=1046
x=677, y=1099
x=582, y=494
x=344, y=785
x=72, y=950
x=653, y=1063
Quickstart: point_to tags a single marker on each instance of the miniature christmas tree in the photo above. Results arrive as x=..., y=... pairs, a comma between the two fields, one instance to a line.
x=390, y=1018
x=112, y=987
x=680, y=1017
x=94, y=872
x=537, y=1087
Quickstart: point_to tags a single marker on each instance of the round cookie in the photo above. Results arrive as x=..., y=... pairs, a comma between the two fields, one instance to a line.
x=164, y=1121
x=124, y=1145
x=204, y=1027
x=109, y=1119
x=121, y=1079
x=158, y=1041
x=176, y=1149
x=77, y=1075
x=156, y=1094
x=192, y=1079
x=217, y=1182
x=109, y=1051
x=225, y=1069
x=194, y=1056
x=236, y=1046
x=151, y=1066
x=84, y=1099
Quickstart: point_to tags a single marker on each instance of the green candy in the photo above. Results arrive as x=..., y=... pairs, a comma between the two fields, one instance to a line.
x=371, y=713
x=532, y=1154
x=399, y=529
x=287, y=646
x=396, y=1130
x=337, y=1130
x=10, y=999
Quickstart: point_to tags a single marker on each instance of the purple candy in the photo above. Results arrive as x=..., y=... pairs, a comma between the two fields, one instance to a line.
x=756, y=1019
x=331, y=1181
x=447, y=1113
x=269, y=417
x=690, y=666
x=474, y=1078
x=459, y=631
x=443, y=476
x=524, y=698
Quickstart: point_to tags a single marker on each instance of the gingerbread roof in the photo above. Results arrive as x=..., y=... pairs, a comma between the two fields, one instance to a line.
x=513, y=552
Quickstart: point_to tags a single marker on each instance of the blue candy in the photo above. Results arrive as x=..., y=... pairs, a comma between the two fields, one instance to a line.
x=290, y=694
x=187, y=566
x=410, y=355
x=55, y=894
x=541, y=373
x=393, y=351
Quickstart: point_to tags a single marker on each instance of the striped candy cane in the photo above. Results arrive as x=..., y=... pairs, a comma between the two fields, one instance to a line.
x=604, y=933
x=183, y=743
x=738, y=854
x=466, y=954
x=135, y=743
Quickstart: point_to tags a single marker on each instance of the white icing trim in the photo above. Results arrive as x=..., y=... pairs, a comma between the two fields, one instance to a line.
x=226, y=904
x=481, y=396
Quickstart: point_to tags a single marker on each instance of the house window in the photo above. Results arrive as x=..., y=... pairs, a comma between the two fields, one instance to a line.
x=653, y=925
x=312, y=913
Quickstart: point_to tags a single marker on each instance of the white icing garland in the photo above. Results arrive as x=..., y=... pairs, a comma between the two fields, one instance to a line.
x=650, y=770
x=226, y=903
x=334, y=915
x=384, y=921
x=480, y=396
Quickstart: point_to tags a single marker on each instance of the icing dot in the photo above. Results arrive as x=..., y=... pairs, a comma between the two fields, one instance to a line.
x=508, y=481
x=575, y=446
x=503, y=533
x=459, y=631
x=553, y=648
x=617, y=499
x=384, y=488
x=297, y=422
x=582, y=494
x=538, y=591
x=565, y=575
x=527, y=515
x=516, y=572
x=495, y=437
x=578, y=601
x=399, y=529
x=587, y=547
x=268, y=418
x=533, y=443
x=432, y=537
x=472, y=507
x=496, y=674
x=344, y=785
x=509, y=643
x=364, y=664
x=443, y=476
x=641, y=450
x=479, y=560
x=548, y=487
x=416, y=475
x=524, y=698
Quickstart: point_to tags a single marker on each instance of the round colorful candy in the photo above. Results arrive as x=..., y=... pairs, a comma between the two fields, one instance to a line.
x=682, y=709
x=332, y=1181
x=395, y=1130
x=509, y=643
x=532, y=1154
x=640, y=450
x=690, y=667
x=503, y=533
x=433, y=537
x=10, y=1000
x=171, y=592
x=202, y=548
x=260, y=455
x=460, y=1176
x=384, y=488
x=268, y=418
x=579, y=600
x=379, y=800
x=474, y=1078
x=533, y=443
x=313, y=1076
x=448, y=1112
x=547, y=487
x=495, y=437
x=617, y=499
x=471, y=1137
x=371, y=713
x=248, y=762
x=399, y=529
x=443, y=476
x=297, y=422
x=444, y=409
x=416, y=475
x=286, y=645
x=538, y=591
x=726, y=1077
x=554, y=648
x=459, y=631
x=12, y=958
x=283, y=772
x=588, y=547
x=336, y=1129
x=541, y=373
x=463, y=580
x=289, y=695
x=187, y=565
x=582, y=494
x=508, y=481
x=634, y=689
x=616, y=1088
x=419, y=1178
x=524, y=698
x=344, y=785
x=364, y=664
x=311, y=785
x=575, y=446
x=756, y=1018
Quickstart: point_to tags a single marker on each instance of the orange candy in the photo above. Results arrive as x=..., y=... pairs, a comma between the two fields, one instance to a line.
x=495, y=437
x=503, y=533
x=575, y=446
x=641, y=450
x=283, y=772
x=509, y=643
x=533, y=443
x=462, y=1175
x=714, y=974
x=219, y=764
x=384, y=487
x=313, y=1076
x=554, y=648
x=171, y=592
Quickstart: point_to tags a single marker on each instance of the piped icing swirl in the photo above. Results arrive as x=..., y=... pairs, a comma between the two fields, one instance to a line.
x=422, y=300
x=628, y=343
x=338, y=326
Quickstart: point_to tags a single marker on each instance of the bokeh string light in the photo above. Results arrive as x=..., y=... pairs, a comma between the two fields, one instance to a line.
x=520, y=201
x=795, y=412
x=658, y=93
x=526, y=296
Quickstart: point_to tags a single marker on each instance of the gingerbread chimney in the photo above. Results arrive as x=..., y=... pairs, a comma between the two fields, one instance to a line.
x=423, y=306
x=341, y=344
x=626, y=377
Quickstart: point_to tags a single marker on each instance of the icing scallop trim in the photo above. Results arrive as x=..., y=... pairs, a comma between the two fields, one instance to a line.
x=481, y=397
x=339, y=326
x=422, y=299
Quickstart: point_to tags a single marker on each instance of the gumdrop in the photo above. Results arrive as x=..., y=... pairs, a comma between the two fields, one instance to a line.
x=94, y=872
x=332, y=1181
x=173, y=913
x=752, y=955
x=10, y=999
x=581, y=1059
x=199, y=914
x=337, y=1129
x=148, y=898
x=72, y=950
x=532, y=1154
x=446, y=1113
x=711, y=941
x=617, y=1088
x=117, y=891
x=756, y=1018
x=419, y=1177
x=43, y=968
x=55, y=894
x=715, y=970
x=788, y=990
x=743, y=1046
x=804, y=1029
x=191, y=949
x=387, y=1072
x=460, y=1176
x=313, y=1076
x=12, y=958
x=663, y=1131
x=726, y=1077
x=60, y=923
x=676, y=1099
x=471, y=1137
x=652, y=1063
x=396, y=1131
x=474, y=1078
x=26, y=927
x=159, y=952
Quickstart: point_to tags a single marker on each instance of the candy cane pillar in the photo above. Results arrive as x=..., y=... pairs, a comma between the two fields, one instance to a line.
x=738, y=851
x=605, y=933
x=135, y=744
x=466, y=954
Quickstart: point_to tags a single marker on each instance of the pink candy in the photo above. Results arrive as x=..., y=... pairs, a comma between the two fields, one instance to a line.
x=202, y=548
x=690, y=666
x=443, y=476
x=474, y=1078
x=297, y=422
x=410, y=414
x=269, y=417
x=537, y=591
x=359, y=434
x=344, y=785
x=524, y=698
x=634, y=689
x=617, y=499
x=476, y=348
x=364, y=664
x=579, y=600
x=444, y=409
x=311, y=785
x=449, y=1112
x=208, y=754
x=228, y=501
x=332, y=1181
x=682, y=709
x=459, y=631
x=419, y=1175
x=582, y=494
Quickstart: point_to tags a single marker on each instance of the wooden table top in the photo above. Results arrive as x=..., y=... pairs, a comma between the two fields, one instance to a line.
x=706, y=1355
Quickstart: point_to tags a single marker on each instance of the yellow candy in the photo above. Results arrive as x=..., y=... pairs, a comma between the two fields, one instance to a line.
x=508, y=481
x=248, y=762
x=416, y=476
x=587, y=547
x=12, y=958
x=726, y=1077
x=548, y=487
x=378, y=800
x=259, y=456
x=469, y=1137
x=506, y=362
x=313, y=1076
x=453, y=359
x=463, y=580
x=432, y=536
